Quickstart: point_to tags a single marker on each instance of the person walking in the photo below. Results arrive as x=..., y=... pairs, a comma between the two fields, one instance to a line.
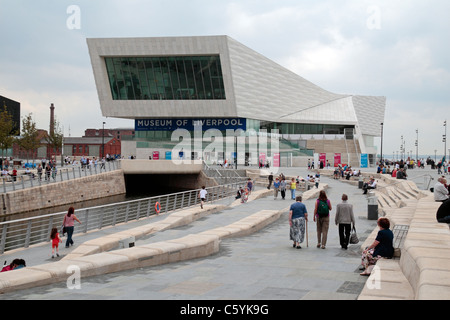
x=202, y=195
x=276, y=186
x=56, y=240
x=344, y=219
x=69, y=223
x=293, y=188
x=283, y=188
x=322, y=218
x=298, y=217
x=270, y=181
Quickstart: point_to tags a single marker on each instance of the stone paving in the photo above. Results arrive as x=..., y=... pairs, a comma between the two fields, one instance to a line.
x=263, y=266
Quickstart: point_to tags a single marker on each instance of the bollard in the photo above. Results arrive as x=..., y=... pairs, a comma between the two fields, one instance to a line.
x=372, y=207
x=127, y=243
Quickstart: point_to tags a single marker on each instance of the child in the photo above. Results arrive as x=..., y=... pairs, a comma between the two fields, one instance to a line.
x=55, y=241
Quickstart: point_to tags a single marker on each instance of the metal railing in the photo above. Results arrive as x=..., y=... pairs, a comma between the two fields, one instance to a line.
x=23, y=181
x=25, y=232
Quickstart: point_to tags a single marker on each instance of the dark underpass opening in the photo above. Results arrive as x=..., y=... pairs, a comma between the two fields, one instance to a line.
x=149, y=185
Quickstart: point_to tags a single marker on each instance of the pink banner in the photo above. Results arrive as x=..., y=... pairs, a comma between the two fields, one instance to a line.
x=323, y=159
x=276, y=160
x=337, y=159
x=262, y=160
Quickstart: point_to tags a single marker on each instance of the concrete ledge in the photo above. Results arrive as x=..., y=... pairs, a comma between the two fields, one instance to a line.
x=110, y=242
x=189, y=247
x=387, y=282
x=425, y=258
x=21, y=279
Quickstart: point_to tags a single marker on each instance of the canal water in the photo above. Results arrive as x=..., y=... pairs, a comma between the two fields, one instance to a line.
x=132, y=194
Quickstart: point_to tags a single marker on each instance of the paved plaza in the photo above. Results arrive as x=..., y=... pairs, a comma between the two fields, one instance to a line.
x=263, y=266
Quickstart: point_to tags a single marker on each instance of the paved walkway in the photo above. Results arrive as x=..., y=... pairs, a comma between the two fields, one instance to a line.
x=263, y=266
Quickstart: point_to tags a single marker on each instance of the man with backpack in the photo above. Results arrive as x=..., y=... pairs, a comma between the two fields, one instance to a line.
x=322, y=218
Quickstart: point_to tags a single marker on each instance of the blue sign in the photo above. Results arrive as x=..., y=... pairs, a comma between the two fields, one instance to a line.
x=171, y=124
x=364, y=160
x=168, y=155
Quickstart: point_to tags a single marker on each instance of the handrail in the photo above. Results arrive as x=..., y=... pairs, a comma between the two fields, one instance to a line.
x=22, y=233
x=21, y=182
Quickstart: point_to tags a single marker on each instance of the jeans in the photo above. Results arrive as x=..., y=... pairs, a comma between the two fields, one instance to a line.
x=69, y=240
x=293, y=194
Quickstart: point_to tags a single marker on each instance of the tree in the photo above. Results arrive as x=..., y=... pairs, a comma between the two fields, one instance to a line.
x=29, y=141
x=7, y=132
x=55, y=139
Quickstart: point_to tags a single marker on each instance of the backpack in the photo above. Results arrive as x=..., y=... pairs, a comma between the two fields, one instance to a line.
x=322, y=209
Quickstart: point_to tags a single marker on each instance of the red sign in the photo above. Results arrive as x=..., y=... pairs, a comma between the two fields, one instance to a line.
x=155, y=155
x=337, y=159
x=323, y=158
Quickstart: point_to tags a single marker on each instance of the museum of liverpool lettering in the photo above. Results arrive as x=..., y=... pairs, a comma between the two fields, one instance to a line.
x=216, y=83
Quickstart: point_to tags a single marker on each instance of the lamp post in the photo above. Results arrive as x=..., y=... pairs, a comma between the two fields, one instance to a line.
x=103, y=140
x=444, y=139
x=417, y=145
x=381, y=156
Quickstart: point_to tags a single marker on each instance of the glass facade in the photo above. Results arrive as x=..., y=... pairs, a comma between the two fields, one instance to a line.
x=258, y=125
x=166, y=78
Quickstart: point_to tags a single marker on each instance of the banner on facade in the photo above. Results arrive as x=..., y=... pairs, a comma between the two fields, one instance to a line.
x=276, y=160
x=323, y=159
x=364, y=160
x=337, y=159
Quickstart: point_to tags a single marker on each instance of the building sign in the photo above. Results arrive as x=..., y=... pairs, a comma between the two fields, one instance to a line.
x=172, y=124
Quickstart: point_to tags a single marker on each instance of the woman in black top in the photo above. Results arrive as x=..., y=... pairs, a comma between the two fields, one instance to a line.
x=382, y=247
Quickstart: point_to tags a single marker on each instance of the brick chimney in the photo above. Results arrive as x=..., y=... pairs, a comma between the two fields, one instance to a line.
x=52, y=119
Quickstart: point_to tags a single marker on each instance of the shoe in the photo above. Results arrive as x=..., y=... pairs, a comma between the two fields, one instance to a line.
x=294, y=245
x=57, y=254
x=298, y=247
x=323, y=247
x=53, y=257
x=318, y=246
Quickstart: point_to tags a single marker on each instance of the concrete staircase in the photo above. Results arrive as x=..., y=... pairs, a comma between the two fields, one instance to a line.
x=349, y=149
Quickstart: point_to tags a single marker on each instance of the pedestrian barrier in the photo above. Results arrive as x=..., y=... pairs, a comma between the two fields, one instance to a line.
x=25, y=232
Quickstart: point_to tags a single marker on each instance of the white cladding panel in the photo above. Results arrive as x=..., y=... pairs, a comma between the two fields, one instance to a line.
x=255, y=87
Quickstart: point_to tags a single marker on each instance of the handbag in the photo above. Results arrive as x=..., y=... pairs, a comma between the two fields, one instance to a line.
x=353, y=237
x=62, y=230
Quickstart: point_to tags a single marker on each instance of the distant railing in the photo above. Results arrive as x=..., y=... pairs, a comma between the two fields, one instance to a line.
x=25, y=232
x=69, y=172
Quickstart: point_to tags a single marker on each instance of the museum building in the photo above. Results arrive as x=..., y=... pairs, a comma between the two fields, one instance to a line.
x=171, y=83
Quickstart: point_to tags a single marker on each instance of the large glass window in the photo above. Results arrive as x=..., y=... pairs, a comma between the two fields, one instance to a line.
x=166, y=78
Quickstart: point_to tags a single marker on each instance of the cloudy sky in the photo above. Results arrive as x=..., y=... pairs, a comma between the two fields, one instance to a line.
x=396, y=49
